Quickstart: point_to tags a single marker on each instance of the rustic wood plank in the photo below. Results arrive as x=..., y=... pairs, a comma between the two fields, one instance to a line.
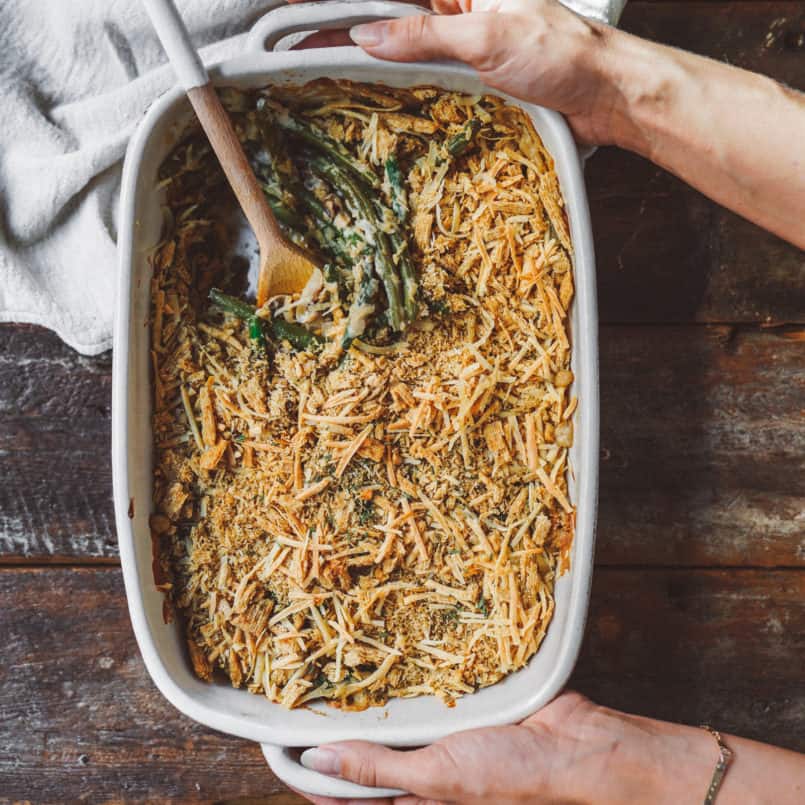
x=702, y=448
x=666, y=253
x=79, y=716
x=763, y=36
x=54, y=447
x=718, y=647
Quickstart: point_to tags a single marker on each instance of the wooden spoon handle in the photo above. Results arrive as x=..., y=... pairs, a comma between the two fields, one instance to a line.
x=221, y=133
x=283, y=267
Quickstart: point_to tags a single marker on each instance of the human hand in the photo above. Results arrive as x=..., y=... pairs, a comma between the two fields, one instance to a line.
x=535, y=50
x=570, y=751
x=704, y=121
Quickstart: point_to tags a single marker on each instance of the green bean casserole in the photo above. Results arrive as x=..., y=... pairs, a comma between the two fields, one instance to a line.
x=361, y=491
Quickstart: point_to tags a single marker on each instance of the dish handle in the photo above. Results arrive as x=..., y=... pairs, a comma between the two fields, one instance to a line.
x=290, y=19
x=320, y=16
x=286, y=766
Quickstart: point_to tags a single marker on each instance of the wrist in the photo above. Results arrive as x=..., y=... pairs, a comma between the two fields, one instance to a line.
x=639, y=82
x=641, y=760
x=680, y=761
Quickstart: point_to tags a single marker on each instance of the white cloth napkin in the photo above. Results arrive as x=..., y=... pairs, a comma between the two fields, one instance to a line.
x=76, y=76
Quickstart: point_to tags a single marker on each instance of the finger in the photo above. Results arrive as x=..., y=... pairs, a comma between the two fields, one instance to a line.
x=427, y=772
x=324, y=39
x=476, y=39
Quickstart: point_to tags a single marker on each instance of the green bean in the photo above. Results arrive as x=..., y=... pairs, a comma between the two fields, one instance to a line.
x=283, y=204
x=326, y=233
x=362, y=207
x=316, y=208
x=347, y=177
x=299, y=337
x=242, y=310
x=282, y=213
x=368, y=286
x=331, y=273
x=314, y=136
x=322, y=230
x=458, y=143
x=364, y=296
x=237, y=307
x=283, y=183
x=322, y=217
x=408, y=275
x=271, y=141
x=345, y=185
x=339, y=240
x=399, y=202
x=256, y=331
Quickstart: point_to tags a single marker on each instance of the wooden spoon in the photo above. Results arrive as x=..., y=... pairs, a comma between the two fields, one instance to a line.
x=284, y=267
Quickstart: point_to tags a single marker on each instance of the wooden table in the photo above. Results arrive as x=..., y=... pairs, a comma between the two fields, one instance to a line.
x=698, y=608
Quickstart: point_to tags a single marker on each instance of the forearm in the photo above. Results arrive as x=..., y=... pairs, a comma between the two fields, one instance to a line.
x=734, y=135
x=767, y=774
x=658, y=762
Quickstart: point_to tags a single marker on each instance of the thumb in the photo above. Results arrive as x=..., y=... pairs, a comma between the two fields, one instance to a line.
x=425, y=772
x=475, y=39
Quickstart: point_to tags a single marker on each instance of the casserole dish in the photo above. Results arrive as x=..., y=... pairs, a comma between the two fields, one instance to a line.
x=403, y=722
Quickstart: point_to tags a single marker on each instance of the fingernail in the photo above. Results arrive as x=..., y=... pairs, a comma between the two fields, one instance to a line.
x=368, y=35
x=322, y=760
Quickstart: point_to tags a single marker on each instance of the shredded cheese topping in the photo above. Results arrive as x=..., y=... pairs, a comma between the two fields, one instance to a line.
x=388, y=522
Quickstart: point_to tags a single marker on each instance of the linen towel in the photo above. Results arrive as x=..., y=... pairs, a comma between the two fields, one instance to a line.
x=76, y=77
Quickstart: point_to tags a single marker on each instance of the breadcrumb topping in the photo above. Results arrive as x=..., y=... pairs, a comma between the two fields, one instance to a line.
x=385, y=519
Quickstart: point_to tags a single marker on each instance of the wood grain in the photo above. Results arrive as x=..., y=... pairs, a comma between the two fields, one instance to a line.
x=55, y=408
x=721, y=647
x=701, y=433
x=80, y=717
x=703, y=446
x=666, y=253
x=761, y=36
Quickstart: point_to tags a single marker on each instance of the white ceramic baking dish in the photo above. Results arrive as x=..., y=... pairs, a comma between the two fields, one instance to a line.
x=406, y=722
